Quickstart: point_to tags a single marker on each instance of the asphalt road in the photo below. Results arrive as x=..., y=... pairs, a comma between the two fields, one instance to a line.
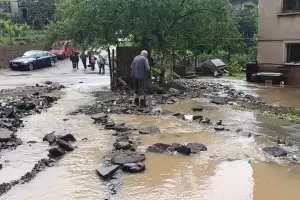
x=62, y=72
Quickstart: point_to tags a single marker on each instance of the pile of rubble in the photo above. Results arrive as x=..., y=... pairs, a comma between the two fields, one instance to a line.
x=20, y=102
x=218, y=93
x=60, y=146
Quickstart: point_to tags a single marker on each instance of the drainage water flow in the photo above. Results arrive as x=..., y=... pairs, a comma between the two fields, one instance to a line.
x=233, y=168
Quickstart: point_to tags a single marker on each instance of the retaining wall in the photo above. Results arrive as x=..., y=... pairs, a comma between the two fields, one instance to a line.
x=9, y=52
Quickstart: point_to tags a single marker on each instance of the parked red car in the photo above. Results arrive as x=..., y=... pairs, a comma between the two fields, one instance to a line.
x=62, y=48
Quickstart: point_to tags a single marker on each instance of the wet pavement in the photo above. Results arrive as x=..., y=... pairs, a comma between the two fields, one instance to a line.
x=62, y=72
x=233, y=168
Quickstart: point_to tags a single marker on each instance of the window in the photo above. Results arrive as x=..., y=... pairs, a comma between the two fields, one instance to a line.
x=5, y=6
x=39, y=55
x=293, y=53
x=291, y=6
x=29, y=54
x=44, y=54
x=249, y=6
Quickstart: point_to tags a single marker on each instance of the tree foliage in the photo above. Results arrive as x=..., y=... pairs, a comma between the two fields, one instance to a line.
x=165, y=25
x=248, y=24
x=8, y=27
x=41, y=12
x=171, y=28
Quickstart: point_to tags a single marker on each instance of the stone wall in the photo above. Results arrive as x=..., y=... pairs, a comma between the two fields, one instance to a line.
x=9, y=52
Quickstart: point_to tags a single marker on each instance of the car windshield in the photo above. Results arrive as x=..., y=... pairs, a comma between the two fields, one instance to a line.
x=58, y=46
x=30, y=54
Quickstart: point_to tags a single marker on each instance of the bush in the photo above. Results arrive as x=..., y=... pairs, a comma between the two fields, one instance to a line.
x=234, y=68
x=155, y=73
x=240, y=59
x=236, y=64
x=8, y=27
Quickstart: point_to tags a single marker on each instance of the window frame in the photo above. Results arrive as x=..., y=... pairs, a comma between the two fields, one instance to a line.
x=296, y=9
x=287, y=54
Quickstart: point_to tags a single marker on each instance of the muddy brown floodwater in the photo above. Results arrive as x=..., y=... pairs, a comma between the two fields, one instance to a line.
x=271, y=94
x=233, y=168
x=281, y=96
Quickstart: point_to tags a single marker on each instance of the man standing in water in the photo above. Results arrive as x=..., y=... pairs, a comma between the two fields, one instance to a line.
x=139, y=68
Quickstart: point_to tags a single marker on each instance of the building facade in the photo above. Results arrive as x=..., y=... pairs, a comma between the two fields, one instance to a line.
x=279, y=36
x=9, y=7
x=14, y=8
x=244, y=3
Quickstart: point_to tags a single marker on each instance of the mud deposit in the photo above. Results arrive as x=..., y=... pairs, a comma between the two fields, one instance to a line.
x=184, y=145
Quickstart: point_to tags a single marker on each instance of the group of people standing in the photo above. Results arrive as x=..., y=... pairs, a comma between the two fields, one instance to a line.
x=74, y=57
x=139, y=72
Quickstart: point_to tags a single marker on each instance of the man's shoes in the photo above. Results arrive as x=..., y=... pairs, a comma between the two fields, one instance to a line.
x=137, y=101
x=143, y=103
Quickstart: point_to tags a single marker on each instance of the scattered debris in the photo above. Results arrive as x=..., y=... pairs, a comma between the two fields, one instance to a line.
x=20, y=102
x=133, y=167
x=151, y=130
x=107, y=172
x=275, y=151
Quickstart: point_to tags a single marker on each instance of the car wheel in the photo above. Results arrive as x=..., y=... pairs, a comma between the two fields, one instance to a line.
x=30, y=66
x=52, y=63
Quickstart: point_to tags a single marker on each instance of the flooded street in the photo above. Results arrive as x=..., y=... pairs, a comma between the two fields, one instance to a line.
x=271, y=94
x=233, y=168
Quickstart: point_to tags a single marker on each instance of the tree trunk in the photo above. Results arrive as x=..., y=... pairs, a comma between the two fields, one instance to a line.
x=161, y=44
x=173, y=64
x=110, y=67
x=114, y=82
x=145, y=45
x=162, y=77
x=162, y=80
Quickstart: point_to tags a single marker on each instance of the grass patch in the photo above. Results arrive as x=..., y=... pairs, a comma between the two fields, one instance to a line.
x=276, y=112
x=238, y=76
